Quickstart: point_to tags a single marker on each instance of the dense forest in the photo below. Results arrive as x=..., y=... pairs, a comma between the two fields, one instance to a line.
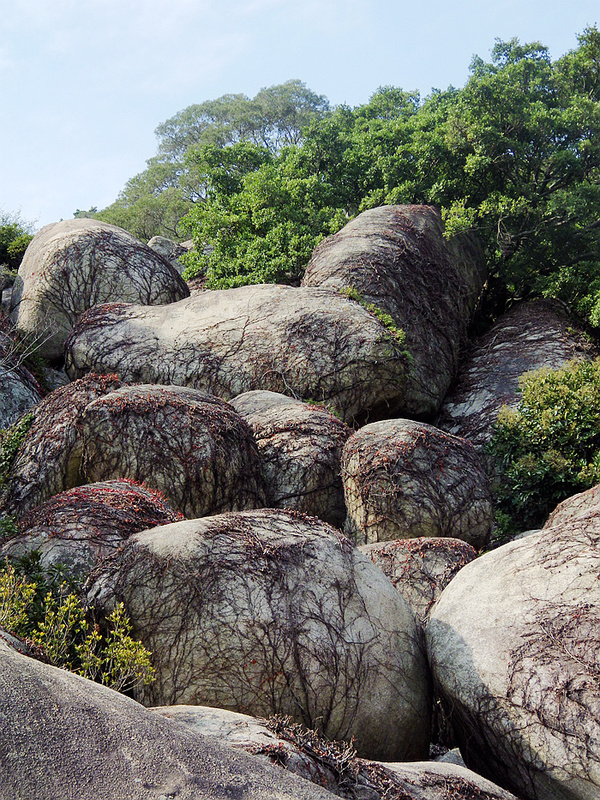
x=514, y=154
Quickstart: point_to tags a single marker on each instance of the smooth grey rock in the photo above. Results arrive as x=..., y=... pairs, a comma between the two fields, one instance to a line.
x=312, y=344
x=514, y=645
x=270, y=612
x=398, y=259
x=75, y=264
x=65, y=738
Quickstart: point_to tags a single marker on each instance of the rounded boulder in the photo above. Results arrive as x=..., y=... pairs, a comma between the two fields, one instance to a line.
x=406, y=479
x=191, y=446
x=75, y=264
x=301, y=449
x=270, y=612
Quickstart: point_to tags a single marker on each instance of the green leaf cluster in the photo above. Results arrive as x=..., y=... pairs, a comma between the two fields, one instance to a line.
x=15, y=235
x=43, y=608
x=10, y=441
x=513, y=155
x=549, y=447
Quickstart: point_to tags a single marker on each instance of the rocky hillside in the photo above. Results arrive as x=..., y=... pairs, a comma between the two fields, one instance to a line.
x=288, y=491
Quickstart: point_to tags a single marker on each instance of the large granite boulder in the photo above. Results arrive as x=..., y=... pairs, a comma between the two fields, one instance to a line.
x=398, y=259
x=531, y=335
x=301, y=449
x=421, y=568
x=585, y=504
x=270, y=612
x=75, y=264
x=406, y=479
x=514, y=644
x=189, y=445
x=63, y=737
x=48, y=460
x=76, y=528
x=308, y=343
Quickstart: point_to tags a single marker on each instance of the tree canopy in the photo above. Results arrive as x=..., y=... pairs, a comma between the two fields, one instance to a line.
x=514, y=155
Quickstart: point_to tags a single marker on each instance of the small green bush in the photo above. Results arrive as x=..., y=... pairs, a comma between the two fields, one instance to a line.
x=10, y=441
x=549, y=447
x=42, y=607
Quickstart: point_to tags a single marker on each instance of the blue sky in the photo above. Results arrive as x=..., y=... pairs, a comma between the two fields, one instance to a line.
x=84, y=83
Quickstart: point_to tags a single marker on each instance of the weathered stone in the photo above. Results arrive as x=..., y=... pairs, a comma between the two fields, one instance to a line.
x=301, y=449
x=170, y=250
x=75, y=264
x=514, y=644
x=309, y=343
x=421, y=568
x=429, y=780
x=193, y=447
x=585, y=504
x=62, y=736
x=331, y=764
x=76, y=528
x=530, y=336
x=255, y=736
x=398, y=259
x=270, y=612
x=49, y=458
x=405, y=479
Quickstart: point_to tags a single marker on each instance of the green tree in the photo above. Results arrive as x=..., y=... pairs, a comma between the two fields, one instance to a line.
x=15, y=235
x=154, y=202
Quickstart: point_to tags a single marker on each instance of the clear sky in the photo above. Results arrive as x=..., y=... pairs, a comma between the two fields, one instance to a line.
x=84, y=83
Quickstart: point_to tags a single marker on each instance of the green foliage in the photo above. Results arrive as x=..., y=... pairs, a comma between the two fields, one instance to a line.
x=10, y=442
x=43, y=608
x=386, y=319
x=513, y=155
x=263, y=217
x=154, y=202
x=15, y=235
x=549, y=448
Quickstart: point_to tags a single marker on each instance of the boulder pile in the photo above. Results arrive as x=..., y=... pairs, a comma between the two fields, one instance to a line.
x=278, y=487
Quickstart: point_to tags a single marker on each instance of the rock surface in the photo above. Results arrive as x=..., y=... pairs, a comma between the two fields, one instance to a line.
x=49, y=458
x=72, y=265
x=62, y=736
x=76, y=528
x=421, y=568
x=309, y=343
x=514, y=644
x=397, y=258
x=270, y=612
x=331, y=764
x=405, y=479
x=529, y=336
x=170, y=250
x=585, y=504
x=301, y=449
x=191, y=446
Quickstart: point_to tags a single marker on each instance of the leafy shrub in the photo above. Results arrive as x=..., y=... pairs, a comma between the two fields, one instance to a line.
x=10, y=441
x=42, y=607
x=549, y=448
x=15, y=235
